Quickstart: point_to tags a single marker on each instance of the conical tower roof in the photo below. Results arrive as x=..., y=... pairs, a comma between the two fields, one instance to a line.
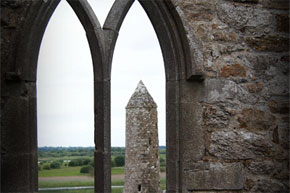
x=141, y=98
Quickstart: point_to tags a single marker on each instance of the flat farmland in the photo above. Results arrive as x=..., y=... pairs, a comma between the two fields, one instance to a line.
x=74, y=167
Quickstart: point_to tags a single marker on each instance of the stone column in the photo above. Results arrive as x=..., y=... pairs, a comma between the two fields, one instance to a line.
x=142, y=166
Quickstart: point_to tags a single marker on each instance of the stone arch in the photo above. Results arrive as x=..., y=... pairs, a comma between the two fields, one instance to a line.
x=178, y=67
x=24, y=74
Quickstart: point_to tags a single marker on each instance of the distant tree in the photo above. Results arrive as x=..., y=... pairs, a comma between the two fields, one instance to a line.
x=79, y=162
x=55, y=165
x=162, y=162
x=92, y=163
x=46, y=167
x=75, y=162
x=86, y=161
x=113, y=163
x=86, y=169
x=119, y=161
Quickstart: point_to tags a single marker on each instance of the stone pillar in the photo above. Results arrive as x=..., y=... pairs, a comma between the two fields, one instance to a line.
x=142, y=166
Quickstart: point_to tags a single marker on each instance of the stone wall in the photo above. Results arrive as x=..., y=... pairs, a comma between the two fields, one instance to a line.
x=18, y=101
x=234, y=133
x=243, y=103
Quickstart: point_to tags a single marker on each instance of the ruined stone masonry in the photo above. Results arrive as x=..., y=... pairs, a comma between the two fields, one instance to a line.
x=227, y=91
x=142, y=165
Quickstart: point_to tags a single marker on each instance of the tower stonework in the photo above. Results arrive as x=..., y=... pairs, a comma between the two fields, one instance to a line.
x=142, y=154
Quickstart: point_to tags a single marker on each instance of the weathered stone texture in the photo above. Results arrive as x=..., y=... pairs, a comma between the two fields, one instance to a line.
x=214, y=176
x=255, y=119
x=267, y=185
x=215, y=117
x=245, y=109
x=260, y=167
x=142, y=165
x=237, y=119
x=233, y=70
x=238, y=145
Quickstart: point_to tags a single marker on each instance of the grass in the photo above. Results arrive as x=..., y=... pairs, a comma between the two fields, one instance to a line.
x=118, y=170
x=64, y=171
x=89, y=182
x=163, y=183
x=114, y=190
x=118, y=182
x=50, y=159
x=54, y=183
x=73, y=171
x=59, y=183
x=74, y=183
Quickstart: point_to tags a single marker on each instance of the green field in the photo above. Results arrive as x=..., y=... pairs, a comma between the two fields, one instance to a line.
x=73, y=171
x=117, y=170
x=64, y=171
x=68, y=175
x=59, y=183
x=114, y=190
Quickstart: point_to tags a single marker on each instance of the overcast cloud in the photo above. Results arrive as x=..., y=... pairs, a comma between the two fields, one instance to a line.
x=65, y=76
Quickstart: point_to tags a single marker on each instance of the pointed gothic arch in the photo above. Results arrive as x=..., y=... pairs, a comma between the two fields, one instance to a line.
x=178, y=62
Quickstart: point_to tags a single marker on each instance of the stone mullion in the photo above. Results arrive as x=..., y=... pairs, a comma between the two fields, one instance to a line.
x=172, y=137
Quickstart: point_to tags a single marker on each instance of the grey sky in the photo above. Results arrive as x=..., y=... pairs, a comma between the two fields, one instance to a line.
x=65, y=76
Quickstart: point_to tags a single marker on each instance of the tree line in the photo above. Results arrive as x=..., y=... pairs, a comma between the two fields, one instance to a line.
x=57, y=157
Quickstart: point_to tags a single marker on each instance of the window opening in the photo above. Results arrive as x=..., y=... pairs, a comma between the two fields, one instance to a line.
x=65, y=107
x=137, y=57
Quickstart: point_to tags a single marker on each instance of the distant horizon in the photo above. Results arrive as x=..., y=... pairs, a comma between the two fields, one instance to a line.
x=89, y=146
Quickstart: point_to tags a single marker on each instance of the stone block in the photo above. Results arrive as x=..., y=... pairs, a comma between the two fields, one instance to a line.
x=236, y=145
x=172, y=88
x=234, y=16
x=225, y=36
x=267, y=185
x=244, y=96
x=215, y=117
x=191, y=92
x=260, y=64
x=269, y=43
x=193, y=135
x=214, y=176
x=255, y=120
x=235, y=70
x=218, y=90
x=260, y=167
x=172, y=145
x=249, y=184
x=255, y=87
x=200, y=16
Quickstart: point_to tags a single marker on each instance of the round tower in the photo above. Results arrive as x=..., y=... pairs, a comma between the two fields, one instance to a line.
x=142, y=165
